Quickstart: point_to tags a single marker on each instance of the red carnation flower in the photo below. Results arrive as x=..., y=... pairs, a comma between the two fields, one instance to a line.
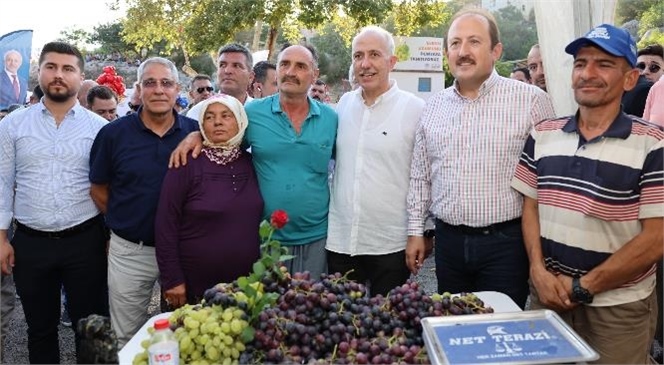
x=278, y=219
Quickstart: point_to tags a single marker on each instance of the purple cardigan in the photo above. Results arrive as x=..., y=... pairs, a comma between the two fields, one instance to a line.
x=206, y=228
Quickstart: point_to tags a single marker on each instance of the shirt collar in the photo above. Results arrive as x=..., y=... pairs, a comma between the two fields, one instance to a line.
x=314, y=108
x=391, y=91
x=176, y=125
x=486, y=86
x=621, y=127
x=76, y=109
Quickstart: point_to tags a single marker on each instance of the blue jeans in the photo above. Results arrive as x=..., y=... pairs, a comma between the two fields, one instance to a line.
x=494, y=260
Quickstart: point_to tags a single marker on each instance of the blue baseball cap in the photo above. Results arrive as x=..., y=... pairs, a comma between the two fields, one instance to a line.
x=612, y=40
x=182, y=101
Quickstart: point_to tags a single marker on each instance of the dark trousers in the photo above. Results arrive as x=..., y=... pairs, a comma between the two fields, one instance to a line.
x=382, y=272
x=42, y=266
x=493, y=260
x=660, y=294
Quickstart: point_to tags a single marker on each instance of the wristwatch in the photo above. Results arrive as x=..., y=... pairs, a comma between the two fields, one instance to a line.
x=430, y=233
x=579, y=293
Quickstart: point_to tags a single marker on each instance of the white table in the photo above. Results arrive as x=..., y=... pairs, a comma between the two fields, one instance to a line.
x=500, y=303
x=133, y=347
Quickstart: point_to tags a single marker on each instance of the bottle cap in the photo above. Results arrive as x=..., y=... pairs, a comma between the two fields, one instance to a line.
x=161, y=324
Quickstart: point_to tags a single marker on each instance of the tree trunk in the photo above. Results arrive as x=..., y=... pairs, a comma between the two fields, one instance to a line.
x=271, y=40
x=187, y=65
x=257, y=36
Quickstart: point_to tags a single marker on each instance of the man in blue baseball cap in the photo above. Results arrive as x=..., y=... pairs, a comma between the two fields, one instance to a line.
x=610, y=39
x=593, y=207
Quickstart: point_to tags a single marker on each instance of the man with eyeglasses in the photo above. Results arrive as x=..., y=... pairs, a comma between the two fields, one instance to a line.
x=650, y=62
x=199, y=90
x=128, y=162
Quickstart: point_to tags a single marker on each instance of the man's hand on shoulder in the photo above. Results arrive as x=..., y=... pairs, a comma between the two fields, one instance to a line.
x=193, y=142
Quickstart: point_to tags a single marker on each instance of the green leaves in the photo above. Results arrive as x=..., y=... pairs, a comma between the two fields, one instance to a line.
x=265, y=230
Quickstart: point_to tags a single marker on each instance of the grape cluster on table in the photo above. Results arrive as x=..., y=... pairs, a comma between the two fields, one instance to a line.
x=331, y=320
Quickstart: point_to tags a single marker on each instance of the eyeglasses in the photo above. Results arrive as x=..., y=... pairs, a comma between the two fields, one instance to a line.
x=207, y=88
x=133, y=107
x=653, y=67
x=151, y=83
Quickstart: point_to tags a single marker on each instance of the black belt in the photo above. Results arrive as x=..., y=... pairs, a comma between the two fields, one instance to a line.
x=479, y=230
x=68, y=232
x=136, y=242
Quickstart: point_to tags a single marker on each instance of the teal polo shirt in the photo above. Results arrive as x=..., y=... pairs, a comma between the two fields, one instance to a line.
x=291, y=167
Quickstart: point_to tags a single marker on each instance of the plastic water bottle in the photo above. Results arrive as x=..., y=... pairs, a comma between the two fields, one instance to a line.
x=163, y=348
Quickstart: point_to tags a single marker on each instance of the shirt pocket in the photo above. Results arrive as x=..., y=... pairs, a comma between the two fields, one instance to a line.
x=320, y=154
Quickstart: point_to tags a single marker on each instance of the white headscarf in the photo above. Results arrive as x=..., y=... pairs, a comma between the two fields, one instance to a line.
x=240, y=116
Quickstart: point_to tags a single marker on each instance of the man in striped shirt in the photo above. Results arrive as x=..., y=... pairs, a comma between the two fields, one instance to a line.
x=593, y=207
x=466, y=149
x=60, y=238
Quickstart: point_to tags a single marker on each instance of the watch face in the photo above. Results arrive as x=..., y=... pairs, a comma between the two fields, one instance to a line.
x=581, y=295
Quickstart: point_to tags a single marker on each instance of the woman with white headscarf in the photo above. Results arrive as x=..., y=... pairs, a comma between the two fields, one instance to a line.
x=209, y=210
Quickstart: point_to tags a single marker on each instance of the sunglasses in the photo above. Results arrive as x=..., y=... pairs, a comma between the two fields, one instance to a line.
x=653, y=68
x=133, y=107
x=207, y=88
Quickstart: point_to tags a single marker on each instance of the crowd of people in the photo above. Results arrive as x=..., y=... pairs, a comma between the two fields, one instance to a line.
x=566, y=211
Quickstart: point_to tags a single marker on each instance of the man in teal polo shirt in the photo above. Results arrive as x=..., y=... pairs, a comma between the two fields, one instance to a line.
x=291, y=138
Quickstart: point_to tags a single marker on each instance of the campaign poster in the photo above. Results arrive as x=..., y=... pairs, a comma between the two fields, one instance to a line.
x=15, y=49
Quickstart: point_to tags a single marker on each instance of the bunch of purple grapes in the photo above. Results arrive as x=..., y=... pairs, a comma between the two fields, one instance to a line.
x=333, y=321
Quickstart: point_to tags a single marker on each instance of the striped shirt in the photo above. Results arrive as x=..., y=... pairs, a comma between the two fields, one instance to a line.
x=48, y=164
x=466, y=152
x=592, y=194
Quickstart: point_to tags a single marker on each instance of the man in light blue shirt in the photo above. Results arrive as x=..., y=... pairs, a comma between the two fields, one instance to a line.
x=60, y=237
x=292, y=138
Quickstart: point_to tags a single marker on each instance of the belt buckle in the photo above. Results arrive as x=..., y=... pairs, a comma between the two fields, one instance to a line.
x=54, y=235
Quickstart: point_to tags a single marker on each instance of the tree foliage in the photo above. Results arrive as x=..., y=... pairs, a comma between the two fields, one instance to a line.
x=627, y=10
x=648, y=13
x=517, y=34
x=203, y=26
x=411, y=15
x=334, y=54
x=149, y=22
x=75, y=36
x=652, y=18
x=109, y=38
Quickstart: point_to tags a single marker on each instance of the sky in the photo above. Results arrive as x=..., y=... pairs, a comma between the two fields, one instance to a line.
x=47, y=18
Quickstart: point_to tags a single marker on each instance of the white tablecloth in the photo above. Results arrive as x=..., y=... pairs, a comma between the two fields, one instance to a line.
x=500, y=303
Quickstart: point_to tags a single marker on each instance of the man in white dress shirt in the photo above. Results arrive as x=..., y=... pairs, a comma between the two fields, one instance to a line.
x=377, y=123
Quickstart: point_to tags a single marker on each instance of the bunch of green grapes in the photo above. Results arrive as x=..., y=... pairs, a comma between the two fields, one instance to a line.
x=206, y=335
